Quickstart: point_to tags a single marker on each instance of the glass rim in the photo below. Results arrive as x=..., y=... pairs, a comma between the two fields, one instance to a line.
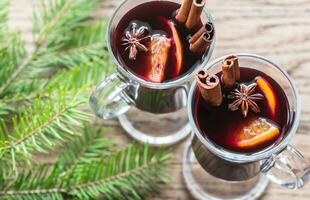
x=165, y=85
x=246, y=157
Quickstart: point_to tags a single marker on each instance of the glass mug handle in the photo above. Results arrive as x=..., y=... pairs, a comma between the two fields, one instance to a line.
x=289, y=168
x=113, y=96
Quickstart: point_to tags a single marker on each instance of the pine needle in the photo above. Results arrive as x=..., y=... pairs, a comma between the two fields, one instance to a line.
x=85, y=43
x=131, y=173
x=90, y=146
x=81, y=77
x=42, y=126
x=53, y=25
x=12, y=51
x=4, y=12
x=41, y=96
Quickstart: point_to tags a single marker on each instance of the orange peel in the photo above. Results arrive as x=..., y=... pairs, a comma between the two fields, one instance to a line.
x=176, y=45
x=158, y=58
x=258, y=131
x=269, y=94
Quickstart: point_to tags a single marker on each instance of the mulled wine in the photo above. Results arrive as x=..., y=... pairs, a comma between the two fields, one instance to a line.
x=251, y=113
x=153, y=44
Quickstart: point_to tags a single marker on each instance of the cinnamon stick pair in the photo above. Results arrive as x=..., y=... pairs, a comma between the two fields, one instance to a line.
x=208, y=27
x=210, y=87
x=231, y=71
x=190, y=12
x=202, y=39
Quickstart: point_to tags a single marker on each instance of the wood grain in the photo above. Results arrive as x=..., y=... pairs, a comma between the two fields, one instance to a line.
x=279, y=29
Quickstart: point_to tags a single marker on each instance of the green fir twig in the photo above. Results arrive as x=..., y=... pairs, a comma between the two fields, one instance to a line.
x=131, y=173
x=42, y=111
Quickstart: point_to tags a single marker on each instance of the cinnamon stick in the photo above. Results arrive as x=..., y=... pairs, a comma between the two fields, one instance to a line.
x=184, y=11
x=235, y=61
x=228, y=76
x=210, y=87
x=194, y=13
x=202, y=44
x=208, y=27
x=231, y=71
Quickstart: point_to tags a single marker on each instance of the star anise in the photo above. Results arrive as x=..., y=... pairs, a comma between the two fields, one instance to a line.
x=245, y=98
x=134, y=39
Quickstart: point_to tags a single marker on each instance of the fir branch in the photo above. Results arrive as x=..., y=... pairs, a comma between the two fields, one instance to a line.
x=89, y=147
x=5, y=109
x=57, y=18
x=23, y=98
x=85, y=43
x=15, y=74
x=4, y=12
x=132, y=173
x=12, y=51
x=42, y=182
x=49, y=23
x=73, y=57
x=24, y=87
x=52, y=27
x=42, y=126
x=81, y=77
x=12, y=105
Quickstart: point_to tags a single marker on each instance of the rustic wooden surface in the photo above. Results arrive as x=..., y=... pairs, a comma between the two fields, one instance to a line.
x=279, y=29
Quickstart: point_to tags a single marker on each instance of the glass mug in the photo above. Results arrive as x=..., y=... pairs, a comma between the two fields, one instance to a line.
x=244, y=175
x=152, y=103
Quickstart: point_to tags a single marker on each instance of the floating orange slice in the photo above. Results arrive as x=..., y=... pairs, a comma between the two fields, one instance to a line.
x=257, y=132
x=176, y=47
x=158, y=58
x=269, y=94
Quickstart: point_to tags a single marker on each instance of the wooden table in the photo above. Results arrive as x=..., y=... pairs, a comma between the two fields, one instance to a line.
x=279, y=29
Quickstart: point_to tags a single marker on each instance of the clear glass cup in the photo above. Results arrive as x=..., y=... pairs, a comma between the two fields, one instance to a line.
x=145, y=109
x=213, y=172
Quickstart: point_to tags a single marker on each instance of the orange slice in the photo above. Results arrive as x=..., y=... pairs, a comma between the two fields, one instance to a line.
x=178, y=50
x=269, y=94
x=176, y=47
x=158, y=58
x=257, y=132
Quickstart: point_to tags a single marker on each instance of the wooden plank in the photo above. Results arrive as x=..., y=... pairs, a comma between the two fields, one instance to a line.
x=279, y=29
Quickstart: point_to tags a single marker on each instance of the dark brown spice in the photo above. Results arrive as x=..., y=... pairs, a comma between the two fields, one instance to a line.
x=245, y=98
x=134, y=40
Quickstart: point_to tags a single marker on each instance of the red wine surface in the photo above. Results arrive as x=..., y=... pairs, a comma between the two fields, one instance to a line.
x=155, y=15
x=220, y=125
